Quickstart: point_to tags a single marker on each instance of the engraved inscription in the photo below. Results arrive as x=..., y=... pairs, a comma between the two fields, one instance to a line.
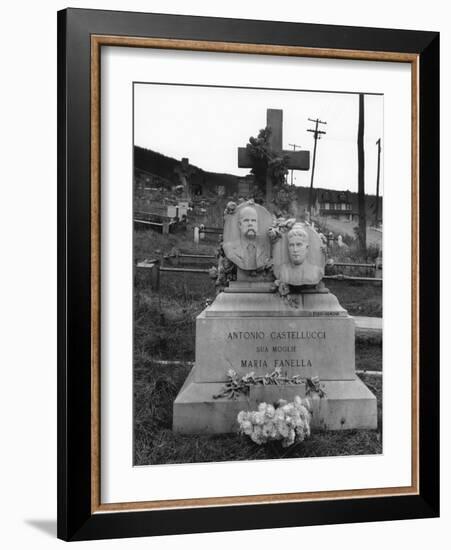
x=277, y=349
x=285, y=335
x=275, y=363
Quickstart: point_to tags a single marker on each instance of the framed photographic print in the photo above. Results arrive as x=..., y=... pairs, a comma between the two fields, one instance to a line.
x=248, y=274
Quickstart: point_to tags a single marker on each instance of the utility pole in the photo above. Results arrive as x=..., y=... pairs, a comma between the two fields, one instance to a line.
x=361, y=173
x=378, y=143
x=294, y=145
x=316, y=136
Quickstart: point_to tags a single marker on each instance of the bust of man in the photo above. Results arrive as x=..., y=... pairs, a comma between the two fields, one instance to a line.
x=299, y=271
x=251, y=250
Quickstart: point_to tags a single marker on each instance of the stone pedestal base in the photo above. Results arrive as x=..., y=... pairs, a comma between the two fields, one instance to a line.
x=348, y=404
x=258, y=331
x=250, y=330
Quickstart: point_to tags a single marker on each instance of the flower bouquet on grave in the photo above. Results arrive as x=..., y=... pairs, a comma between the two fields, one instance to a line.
x=288, y=422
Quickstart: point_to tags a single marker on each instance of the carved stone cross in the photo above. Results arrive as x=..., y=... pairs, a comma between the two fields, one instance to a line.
x=297, y=160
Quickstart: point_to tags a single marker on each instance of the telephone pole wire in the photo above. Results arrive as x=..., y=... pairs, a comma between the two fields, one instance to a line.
x=316, y=136
x=361, y=173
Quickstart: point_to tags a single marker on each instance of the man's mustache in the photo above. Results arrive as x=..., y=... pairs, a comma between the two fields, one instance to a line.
x=251, y=230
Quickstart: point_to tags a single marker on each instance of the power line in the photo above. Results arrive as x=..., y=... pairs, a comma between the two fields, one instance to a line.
x=361, y=173
x=316, y=136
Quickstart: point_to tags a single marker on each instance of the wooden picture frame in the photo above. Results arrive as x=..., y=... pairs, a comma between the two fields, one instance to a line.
x=81, y=35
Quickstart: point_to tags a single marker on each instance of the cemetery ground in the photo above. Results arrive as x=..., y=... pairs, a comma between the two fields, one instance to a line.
x=164, y=338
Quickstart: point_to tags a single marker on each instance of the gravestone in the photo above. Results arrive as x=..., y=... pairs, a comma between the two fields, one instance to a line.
x=253, y=328
x=172, y=211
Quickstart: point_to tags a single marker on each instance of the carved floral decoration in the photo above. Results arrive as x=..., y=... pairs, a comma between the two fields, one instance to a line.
x=237, y=385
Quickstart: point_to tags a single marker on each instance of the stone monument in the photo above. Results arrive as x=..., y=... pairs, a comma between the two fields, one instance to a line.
x=277, y=316
x=299, y=256
x=245, y=240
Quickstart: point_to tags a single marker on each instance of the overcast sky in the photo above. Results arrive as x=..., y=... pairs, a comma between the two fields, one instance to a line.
x=208, y=124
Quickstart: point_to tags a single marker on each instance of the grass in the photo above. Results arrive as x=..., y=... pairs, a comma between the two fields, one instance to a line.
x=364, y=299
x=368, y=354
x=148, y=243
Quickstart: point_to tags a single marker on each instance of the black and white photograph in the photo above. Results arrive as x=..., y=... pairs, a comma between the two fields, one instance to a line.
x=224, y=287
x=258, y=261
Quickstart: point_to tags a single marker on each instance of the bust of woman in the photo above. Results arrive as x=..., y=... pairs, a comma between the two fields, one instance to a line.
x=299, y=271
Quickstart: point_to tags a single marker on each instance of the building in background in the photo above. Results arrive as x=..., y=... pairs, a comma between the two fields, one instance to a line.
x=335, y=204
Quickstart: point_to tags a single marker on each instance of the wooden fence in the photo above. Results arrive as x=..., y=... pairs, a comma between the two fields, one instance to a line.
x=201, y=231
x=342, y=270
x=176, y=257
x=155, y=221
x=155, y=269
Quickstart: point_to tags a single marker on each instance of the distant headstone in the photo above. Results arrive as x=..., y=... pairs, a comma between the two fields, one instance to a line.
x=183, y=207
x=172, y=211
